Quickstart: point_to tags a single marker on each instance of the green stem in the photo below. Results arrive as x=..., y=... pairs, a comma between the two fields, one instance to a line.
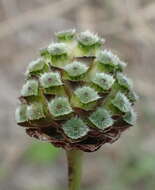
x=74, y=158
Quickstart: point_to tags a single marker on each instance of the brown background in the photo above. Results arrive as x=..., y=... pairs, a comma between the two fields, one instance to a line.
x=129, y=29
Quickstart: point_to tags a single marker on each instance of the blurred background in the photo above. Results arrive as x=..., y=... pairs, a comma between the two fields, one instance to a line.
x=129, y=29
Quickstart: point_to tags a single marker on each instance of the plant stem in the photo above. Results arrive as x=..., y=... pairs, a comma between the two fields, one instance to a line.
x=74, y=158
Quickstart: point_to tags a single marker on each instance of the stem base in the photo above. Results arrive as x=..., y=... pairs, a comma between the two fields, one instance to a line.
x=74, y=158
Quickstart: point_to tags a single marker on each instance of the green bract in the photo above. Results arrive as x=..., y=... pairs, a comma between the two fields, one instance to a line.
x=101, y=118
x=103, y=80
x=30, y=88
x=57, y=49
x=21, y=113
x=133, y=97
x=124, y=81
x=130, y=117
x=86, y=94
x=75, y=128
x=66, y=35
x=36, y=65
x=88, y=39
x=35, y=111
x=107, y=58
x=121, y=102
x=50, y=79
x=75, y=69
x=59, y=106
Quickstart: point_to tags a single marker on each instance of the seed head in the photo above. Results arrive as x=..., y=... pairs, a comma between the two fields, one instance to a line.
x=75, y=95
